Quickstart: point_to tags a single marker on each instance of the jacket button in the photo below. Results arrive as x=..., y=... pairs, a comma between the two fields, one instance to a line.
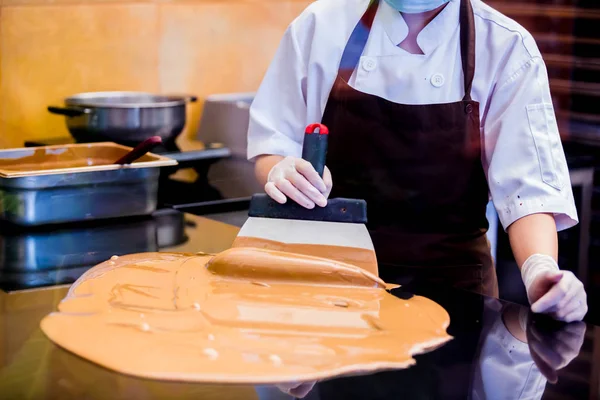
x=437, y=80
x=369, y=64
x=469, y=108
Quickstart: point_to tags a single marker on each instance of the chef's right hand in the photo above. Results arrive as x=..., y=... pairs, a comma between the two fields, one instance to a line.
x=296, y=178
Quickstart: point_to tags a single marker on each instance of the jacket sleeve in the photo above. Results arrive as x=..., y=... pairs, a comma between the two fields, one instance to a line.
x=526, y=166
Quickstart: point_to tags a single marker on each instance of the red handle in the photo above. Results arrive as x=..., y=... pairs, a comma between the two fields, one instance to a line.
x=140, y=150
x=323, y=130
x=314, y=147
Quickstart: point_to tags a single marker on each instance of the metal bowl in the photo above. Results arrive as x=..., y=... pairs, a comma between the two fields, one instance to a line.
x=124, y=117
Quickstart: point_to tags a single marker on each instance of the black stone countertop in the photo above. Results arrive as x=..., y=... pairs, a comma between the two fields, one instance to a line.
x=498, y=352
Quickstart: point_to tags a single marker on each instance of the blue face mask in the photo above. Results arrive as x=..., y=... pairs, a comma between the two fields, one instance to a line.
x=415, y=6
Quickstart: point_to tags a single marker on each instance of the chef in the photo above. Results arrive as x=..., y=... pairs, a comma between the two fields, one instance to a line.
x=432, y=105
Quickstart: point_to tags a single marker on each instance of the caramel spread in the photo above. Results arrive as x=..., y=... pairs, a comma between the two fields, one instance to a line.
x=362, y=258
x=56, y=165
x=243, y=316
x=253, y=263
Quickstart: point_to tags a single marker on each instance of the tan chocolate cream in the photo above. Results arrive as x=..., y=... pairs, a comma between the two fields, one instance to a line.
x=363, y=258
x=246, y=315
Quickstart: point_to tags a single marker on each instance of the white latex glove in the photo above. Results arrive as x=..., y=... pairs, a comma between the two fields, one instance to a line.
x=296, y=178
x=552, y=291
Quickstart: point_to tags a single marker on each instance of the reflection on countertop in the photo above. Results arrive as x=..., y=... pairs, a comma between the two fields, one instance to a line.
x=50, y=255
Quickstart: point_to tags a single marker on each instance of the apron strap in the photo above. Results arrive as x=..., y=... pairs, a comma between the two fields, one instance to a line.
x=358, y=40
x=467, y=45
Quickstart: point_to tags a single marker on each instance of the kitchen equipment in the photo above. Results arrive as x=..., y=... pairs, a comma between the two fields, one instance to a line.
x=202, y=188
x=225, y=119
x=56, y=184
x=140, y=150
x=340, y=226
x=124, y=117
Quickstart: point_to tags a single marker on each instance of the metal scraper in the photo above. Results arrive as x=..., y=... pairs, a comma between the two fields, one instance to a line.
x=336, y=231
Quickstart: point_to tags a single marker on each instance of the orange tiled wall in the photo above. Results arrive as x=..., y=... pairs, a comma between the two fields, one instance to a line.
x=50, y=49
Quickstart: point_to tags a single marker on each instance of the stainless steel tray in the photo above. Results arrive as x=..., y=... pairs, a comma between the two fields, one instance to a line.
x=56, y=184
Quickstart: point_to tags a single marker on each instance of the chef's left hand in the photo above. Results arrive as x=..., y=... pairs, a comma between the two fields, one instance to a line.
x=554, y=347
x=552, y=291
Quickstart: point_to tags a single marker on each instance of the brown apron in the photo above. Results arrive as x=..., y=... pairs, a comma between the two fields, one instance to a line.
x=419, y=168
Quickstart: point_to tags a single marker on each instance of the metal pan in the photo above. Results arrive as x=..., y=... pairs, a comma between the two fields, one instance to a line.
x=57, y=184
x=124, y=117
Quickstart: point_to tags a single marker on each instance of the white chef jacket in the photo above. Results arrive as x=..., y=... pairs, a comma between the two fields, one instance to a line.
x=522, y=152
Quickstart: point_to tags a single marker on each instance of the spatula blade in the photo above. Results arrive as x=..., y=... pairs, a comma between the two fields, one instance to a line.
x=308, y=232
x=339, y=241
